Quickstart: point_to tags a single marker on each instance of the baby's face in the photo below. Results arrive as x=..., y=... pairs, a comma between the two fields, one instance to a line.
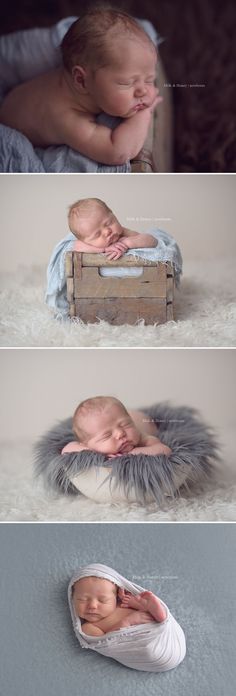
x=100, y=228
x=111, y=432
x=94, y=598
x=127, y=85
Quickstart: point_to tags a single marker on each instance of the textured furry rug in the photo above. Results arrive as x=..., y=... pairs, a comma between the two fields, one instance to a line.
x=205, y=313
x=24, y=499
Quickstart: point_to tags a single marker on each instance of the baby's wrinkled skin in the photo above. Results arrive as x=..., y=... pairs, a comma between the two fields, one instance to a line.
x=101, y=232
x=115, y=431
x=59, y=108
x=96, y=602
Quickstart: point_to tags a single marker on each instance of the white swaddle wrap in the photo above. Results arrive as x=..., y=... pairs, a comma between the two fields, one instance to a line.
x=151, y=647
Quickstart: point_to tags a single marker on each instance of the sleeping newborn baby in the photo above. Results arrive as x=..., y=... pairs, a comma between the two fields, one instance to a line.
x=97, y=230
x=109, y=66
x=104, y=607
x=104, y=425
x=124, y=621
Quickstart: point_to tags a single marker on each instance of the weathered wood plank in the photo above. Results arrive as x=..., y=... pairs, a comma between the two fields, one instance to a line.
x=77, y=259
x=70, y=289
x=72, y=310
x=141, y=166
x=69, y=264
x=169, y=289
x=169, y=269
x=169, y=311
x=102, y=260
x=119, y=311
x=150, y=284
x=143, y=162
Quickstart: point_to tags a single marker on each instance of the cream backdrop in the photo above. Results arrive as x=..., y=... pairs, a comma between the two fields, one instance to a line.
x=41, y=386
x=199, y=211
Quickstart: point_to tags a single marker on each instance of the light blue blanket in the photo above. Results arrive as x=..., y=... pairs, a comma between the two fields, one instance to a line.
x=24, y=55
x=166, y=250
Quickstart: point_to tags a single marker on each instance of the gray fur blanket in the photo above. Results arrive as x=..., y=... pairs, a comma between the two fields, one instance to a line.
x=194, y=450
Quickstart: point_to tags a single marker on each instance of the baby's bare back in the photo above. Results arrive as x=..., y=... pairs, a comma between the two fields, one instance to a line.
x=143, y=423
x=38, y=109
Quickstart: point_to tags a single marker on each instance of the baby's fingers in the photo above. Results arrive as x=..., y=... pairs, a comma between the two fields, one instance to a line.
x=121, y=245
x=113, y=255
x=156, y=101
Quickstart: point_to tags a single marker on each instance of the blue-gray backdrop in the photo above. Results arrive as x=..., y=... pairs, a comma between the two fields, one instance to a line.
x=191, y=566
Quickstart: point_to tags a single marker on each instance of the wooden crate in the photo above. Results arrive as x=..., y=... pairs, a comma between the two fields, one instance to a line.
x=157, y=152
x=119, y=300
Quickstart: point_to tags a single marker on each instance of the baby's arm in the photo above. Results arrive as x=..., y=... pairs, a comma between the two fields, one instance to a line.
x=73, y=446
x=133, y=619
x=134, y=241
x=92, y=630
x=151, y=445
x=129, y=241
x=103, y=144
x=86, y=248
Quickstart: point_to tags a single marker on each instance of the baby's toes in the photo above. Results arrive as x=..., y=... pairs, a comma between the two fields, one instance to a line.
x=146, y=595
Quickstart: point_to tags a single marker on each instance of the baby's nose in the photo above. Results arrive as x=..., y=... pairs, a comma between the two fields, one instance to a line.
x=140, y=90
x=92, y=604
x=119, y=432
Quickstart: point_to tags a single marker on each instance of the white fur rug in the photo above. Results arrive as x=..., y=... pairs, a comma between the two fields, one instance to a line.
x=205, y=313
x=24, y=499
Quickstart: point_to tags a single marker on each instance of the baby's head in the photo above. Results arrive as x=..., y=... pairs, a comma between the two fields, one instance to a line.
x=94, y=598
x=112, y=59
x=91, y=221
x=103, y=424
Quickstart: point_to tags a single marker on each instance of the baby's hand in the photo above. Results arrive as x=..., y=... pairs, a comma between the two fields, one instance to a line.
x=123, y=593
x=114, y=251
x=151, y=104
x=156, y=100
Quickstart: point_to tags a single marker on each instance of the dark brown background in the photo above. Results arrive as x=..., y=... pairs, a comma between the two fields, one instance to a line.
x=199, y=48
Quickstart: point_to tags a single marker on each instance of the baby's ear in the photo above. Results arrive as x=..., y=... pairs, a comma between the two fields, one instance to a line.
x=79, y=77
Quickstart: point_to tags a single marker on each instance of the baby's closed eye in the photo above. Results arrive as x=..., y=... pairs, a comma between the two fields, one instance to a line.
x=127, y=83
x=105, y=436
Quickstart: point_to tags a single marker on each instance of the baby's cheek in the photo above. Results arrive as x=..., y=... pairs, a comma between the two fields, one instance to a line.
x=135, y=435
x=152, y=92
x=124, y=103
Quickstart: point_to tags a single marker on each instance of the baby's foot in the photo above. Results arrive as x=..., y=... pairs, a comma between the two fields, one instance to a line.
x=145, y=601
